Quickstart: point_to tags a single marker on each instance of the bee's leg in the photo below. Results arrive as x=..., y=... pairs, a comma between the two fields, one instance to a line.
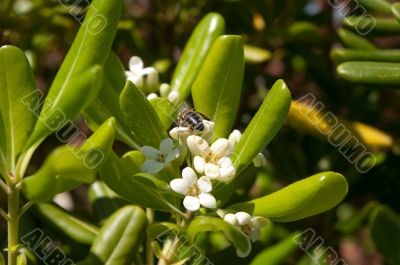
x=204, y=116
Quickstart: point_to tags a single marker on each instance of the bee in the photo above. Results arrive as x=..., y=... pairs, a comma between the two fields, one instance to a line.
x=192, y=119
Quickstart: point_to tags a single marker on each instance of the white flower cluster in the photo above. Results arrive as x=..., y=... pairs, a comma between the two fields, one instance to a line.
x=249, y=225
x=146, y=78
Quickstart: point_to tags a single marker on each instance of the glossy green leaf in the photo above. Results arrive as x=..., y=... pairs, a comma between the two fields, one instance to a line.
x=119, y=238
x=66, y=224
x=299, y=200
x=206, y=224
x=90, y=47
x=365, y=25
x=195, y=52
x=253, y=54
x=2, y=262
x=103, y=200
x=355, y=41
x=384, y=225
x=217, y=88
x=141, y=117
x=396, y=10
x=166, y=111
x=343, y=55
x=141, y=189
x=107, y=102
x=278, y=253
x=83, y=89
x=21, y=259
x=264, y=125
x=370, y=72
x=376, y=5
x=67, y=167
x=17, y=118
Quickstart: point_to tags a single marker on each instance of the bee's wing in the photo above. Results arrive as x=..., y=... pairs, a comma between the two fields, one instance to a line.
x=204, y=116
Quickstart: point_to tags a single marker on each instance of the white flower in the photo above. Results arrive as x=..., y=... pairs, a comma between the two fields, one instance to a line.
x=144, y=78
x=249, y=225
x=164, y=89
x=152, y=96
x=182, y=133
x=173, y=97
x=234, y=138
x=157, y=159
x=196, y=191
x=212, y=160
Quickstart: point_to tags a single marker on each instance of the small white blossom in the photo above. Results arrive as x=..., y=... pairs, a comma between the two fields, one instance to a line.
x=152, y=96
x=249, y=225
x=234, y=138
x=173, y=97
x=157, y=159
x=144, y=78
x=182, y=133
x=212, y=160
x=196, y=191
x=164, y=89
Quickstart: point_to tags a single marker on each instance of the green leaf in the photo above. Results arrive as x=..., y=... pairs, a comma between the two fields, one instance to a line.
x=119, y=238
x=57, y=112
x=355, y=41
x=278, y=253
x=90, y=47
x=66, y=224
x=68, y=167
x=264, y=125
x=372, y=25
x=214, y=224
x=166, y=111
x=304, y=198
x=17, y=119
x=256, y=55
x=376, y=5
x=107, y=103
x=141, y=189
x=195, y=52
x=103, y=200
x=217, y=88
x=141, y=117
x=21, y=259
x=2, y=262
x=396, y=10
x=342, y=55
x=384, y=225
x=370, y=72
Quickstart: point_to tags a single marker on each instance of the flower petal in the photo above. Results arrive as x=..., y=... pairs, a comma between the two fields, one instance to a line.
x=221, y=148
x=198, y=146
x=204, y=184
x=199, y=164
x=174, y=133
x=152, y=96
x=259, y=160
x=152, y=167
x=173, y=97
x=211, y=171
x=174, y=154
x=150, y=152
x=207, y=200
x=234, y=137
x=243, y=218
x=180, y=186
x=231, y=218
x=258, y=222
x=166, y=145
x=191, y=203
x=135, y=64
x=225, y=173
x=254, y=235
x=189, y=176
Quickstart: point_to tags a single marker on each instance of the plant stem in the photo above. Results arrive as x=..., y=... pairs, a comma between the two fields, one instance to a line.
x=13, y=224
x=149, y=249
